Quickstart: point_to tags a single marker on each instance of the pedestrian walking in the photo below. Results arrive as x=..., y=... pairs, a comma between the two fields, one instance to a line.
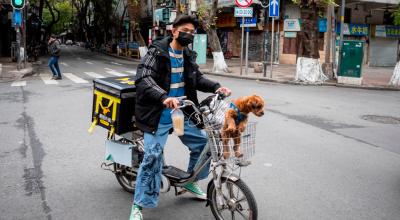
x=55, y=50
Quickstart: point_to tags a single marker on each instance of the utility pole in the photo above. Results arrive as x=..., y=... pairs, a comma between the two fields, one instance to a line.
x=328, y=45
x=265, y=32
x=341, y=32
x=24, y=33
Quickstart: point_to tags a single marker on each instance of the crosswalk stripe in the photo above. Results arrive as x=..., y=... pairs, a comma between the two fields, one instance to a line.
x=118, y=64
x=108, y=69
x=64, y=64
x=19, y=83
x=115, y=73
x=89, y=62
x=47, y=80
x=94, y=75
x=75, y=78
x=131, y=72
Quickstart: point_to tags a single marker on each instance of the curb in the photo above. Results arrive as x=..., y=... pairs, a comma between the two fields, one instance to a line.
x=120, y=57
x=382, y=88
x=13, y=75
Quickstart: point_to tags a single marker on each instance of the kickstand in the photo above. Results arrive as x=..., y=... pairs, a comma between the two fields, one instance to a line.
x=179, y=192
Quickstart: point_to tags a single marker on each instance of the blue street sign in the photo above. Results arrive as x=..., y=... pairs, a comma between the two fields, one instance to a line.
x=274, y=8
x=17, y=17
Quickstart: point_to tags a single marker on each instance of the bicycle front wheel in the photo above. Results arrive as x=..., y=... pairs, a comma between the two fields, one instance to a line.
x=239, y=201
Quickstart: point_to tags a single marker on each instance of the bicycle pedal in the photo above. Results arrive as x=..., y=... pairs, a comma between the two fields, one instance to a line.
x=243, y=163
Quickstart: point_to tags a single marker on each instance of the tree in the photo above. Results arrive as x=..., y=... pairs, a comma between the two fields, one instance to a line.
x=395, y=80
x=309, y=69
x=57, y=22
x=207, y=15
x=81, y=13
x=396, y=16
x=134, y=7
x=51, y=15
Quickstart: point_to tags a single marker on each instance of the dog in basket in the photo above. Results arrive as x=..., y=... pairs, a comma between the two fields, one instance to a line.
x=235, y=122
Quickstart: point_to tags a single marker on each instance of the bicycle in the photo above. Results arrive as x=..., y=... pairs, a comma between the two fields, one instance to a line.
x=227, y=193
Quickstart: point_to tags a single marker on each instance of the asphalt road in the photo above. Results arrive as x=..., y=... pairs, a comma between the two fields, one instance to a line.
x=322, y=152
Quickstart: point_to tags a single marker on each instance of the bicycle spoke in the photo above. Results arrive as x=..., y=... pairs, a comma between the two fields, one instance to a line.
x=222, y=208
x=243, y=215
x=241, y=199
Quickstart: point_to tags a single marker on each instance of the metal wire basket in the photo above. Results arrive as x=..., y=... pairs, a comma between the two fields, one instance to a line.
x=247, y=143
x=217, y=117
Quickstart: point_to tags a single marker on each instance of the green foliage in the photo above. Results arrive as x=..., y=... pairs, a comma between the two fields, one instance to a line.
x=67, y=13
x=319, y=2
x=134, y=2
x=396, y=16
x=204, y=13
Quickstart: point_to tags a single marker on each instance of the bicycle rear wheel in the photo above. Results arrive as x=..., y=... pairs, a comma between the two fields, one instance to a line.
x=239, y=201
x=126, y=178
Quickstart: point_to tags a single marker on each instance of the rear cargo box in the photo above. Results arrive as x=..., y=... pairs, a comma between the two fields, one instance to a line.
x=114, y=104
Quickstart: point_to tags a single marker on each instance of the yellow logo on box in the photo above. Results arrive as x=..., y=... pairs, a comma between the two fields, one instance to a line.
x=126, y=80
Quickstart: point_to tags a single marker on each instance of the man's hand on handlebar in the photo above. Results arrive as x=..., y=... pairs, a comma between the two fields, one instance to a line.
x=224, y=90
x=171, y=103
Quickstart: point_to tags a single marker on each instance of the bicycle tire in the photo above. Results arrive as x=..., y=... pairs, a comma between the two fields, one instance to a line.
x=252, y=204
x=123, y=178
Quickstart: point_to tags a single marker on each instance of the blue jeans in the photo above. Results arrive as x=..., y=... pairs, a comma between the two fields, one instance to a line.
x=53, y=64
x=148, y=180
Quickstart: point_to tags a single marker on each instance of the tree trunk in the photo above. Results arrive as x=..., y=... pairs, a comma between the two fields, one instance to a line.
x=328, y=67
x=55, y=18
x=134, y=15
x=215, y=45
x=395, y=80
x=309, y=69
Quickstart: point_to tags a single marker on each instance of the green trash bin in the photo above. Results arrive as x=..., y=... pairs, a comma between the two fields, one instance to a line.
x=351, y=58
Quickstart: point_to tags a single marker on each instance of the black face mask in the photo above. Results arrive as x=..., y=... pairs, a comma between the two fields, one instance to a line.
x=185, y=39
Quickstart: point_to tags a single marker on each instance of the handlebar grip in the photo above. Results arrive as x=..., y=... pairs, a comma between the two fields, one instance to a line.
x=221, y=95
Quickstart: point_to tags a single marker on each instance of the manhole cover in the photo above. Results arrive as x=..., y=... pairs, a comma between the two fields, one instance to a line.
x=381, y=119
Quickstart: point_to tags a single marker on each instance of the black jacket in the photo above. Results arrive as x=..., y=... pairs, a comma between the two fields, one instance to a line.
x=54, y=48
x=153, y=80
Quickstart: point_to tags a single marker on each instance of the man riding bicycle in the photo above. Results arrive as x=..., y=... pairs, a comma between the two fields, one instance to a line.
x=168, y=71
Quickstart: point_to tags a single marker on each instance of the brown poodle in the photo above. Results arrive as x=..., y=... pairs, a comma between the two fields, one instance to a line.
x=236, y=120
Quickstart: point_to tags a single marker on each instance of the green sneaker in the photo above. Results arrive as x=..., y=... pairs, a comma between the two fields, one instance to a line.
x=136, y=213
x=195, y=189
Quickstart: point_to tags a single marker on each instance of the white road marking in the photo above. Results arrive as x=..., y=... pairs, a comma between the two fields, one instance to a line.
x=131, y=72
x=19, y=83
x=115, y=73
x=64, y=64
x=267, y=164
x=108, y=69
x=116, y=63
x=94, y=75
x=89, y=62
x=47, y=80
x=74, y=78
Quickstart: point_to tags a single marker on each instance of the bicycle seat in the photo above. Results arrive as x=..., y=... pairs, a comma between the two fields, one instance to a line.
x=175, y=173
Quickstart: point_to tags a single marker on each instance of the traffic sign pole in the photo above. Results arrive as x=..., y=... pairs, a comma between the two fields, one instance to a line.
x=247, y=50
x=272, y=45
x=241, y=48
x=243, y=4
x=274, y=13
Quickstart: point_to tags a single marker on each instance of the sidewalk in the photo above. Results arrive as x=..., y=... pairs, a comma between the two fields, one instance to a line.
x=9, y=72
x=373, y=77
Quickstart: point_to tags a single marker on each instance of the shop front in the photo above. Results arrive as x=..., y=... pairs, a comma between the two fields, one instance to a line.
x=384, y=45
